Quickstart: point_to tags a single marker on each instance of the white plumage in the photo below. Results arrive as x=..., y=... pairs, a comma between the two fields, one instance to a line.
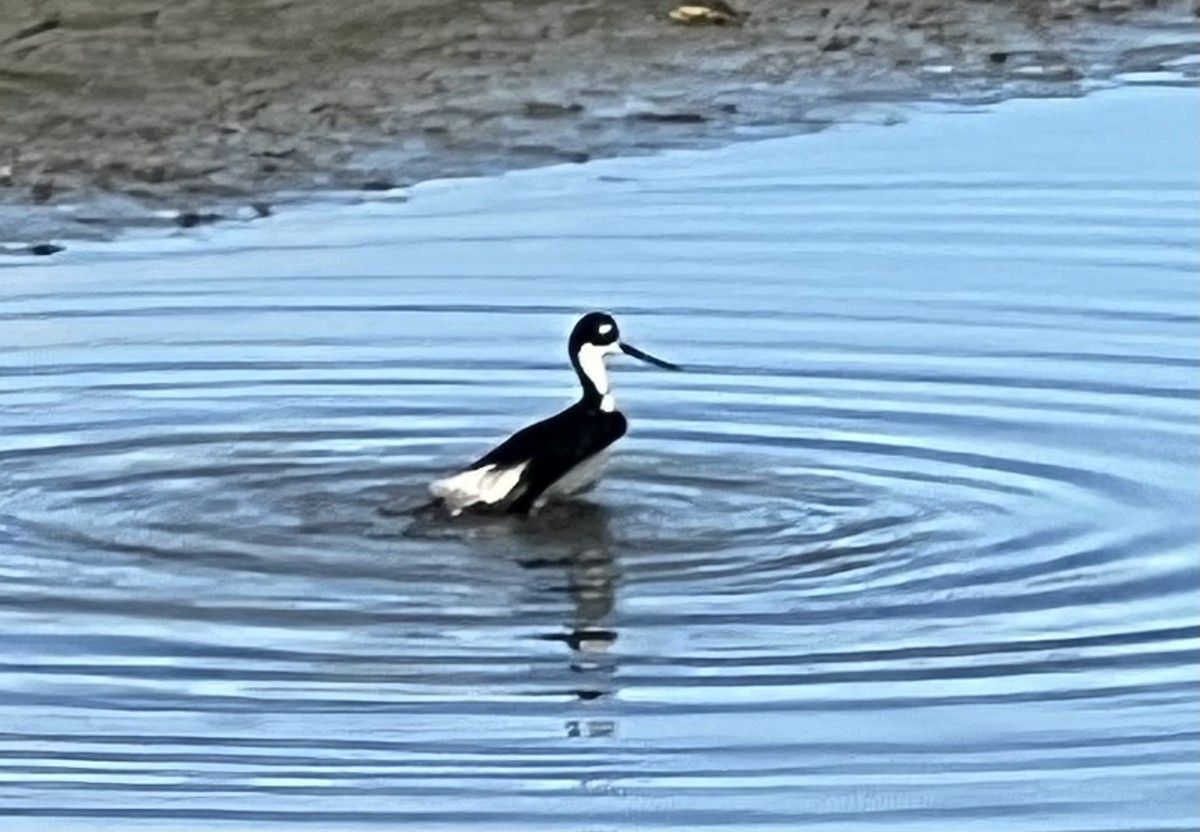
x=487, y=484
x=579, y=479
x=591, y=362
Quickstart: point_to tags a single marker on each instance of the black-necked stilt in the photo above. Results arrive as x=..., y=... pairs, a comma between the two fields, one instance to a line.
x=558, y=456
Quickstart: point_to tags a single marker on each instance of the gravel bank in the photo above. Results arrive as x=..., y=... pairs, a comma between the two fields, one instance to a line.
x=199, y=109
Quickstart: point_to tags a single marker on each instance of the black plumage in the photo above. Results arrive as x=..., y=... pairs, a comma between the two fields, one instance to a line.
x=552, y=448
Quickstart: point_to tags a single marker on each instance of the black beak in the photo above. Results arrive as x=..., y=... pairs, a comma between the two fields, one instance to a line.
x=649, y=359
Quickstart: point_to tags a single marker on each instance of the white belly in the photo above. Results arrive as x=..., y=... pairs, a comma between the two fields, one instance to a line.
x=580, y=478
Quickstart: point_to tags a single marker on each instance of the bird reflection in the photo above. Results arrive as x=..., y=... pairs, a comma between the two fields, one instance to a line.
x=573, y=539
x=577, y=537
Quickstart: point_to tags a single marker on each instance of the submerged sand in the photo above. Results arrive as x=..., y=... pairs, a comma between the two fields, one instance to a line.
x=132, y=110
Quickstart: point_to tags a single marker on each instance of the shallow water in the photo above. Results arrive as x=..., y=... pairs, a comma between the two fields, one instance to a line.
x=912, y=545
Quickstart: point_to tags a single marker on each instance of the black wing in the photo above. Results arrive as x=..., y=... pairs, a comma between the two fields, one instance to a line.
x=552, y=447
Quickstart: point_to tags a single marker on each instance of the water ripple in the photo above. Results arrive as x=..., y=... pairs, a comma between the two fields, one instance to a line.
x=911, y=544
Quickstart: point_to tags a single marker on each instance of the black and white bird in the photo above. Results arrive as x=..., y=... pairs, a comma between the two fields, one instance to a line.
x=559, y=456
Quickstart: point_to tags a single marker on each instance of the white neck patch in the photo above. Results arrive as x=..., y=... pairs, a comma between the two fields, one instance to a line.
x=591, y=361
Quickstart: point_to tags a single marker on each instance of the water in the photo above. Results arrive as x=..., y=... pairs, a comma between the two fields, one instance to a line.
x=912, y=545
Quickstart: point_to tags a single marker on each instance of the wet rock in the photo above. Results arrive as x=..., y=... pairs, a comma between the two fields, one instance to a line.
x=670, y=118
x=253, y=211
x=283, y=153
x=839, y=42
x=542, y=109
x=190, y=219
x=558, y=154
x=42, y=190
x=45, y=25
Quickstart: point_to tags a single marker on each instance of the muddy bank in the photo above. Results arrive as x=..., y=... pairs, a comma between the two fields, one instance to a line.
x=149, y=109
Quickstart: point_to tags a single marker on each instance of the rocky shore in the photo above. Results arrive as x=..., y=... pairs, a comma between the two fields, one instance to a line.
x=136, y=112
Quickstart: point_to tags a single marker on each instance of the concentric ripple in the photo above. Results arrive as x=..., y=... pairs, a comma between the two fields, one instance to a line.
x=912, y=544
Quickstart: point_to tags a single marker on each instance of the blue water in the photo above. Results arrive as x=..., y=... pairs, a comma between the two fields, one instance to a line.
x=911, y=546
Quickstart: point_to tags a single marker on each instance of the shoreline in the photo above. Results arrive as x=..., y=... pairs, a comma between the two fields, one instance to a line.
x=212, y=110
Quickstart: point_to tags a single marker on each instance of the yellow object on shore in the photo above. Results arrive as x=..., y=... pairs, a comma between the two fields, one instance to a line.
x=716, y=13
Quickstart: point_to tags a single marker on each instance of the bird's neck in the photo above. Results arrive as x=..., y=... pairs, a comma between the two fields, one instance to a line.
x=593, y=377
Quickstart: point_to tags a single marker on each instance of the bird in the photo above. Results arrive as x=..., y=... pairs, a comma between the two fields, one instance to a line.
x=560, y=456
